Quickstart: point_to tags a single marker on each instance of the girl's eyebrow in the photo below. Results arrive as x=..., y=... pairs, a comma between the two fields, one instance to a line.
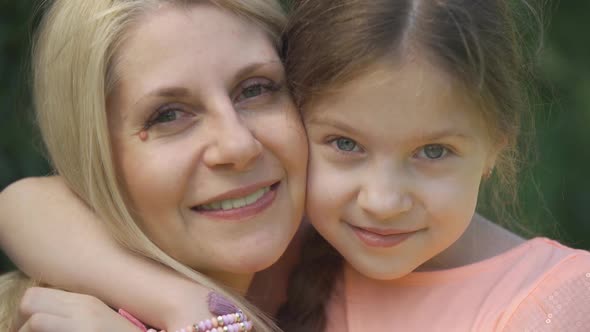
x=440, y=134
x=425, y=136
x=335, y=124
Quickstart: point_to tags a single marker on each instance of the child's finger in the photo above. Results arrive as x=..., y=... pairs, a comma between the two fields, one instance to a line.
x=43, y=322
x=50, y=301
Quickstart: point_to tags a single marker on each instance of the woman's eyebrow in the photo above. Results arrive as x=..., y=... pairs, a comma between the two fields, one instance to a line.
x=183, y=92
x=254, y=66
x=166, y=91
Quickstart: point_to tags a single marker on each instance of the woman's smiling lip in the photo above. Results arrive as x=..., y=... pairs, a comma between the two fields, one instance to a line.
x=239, y=192
x=243, y=212
x=382, y=238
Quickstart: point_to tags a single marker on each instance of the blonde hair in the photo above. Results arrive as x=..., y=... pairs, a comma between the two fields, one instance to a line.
x=73, y=68
x=12, y=288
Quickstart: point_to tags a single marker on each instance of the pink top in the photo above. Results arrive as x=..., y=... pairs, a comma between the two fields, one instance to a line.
x=540, y=285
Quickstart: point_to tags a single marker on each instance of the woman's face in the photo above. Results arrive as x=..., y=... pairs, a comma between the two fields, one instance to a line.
x=207, y=141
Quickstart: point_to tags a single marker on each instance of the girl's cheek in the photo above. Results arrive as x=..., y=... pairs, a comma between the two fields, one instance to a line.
x=330, y=190
x=452, y=197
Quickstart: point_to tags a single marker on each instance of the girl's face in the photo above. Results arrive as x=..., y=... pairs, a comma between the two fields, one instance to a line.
x=396, y=160
x=208, y=143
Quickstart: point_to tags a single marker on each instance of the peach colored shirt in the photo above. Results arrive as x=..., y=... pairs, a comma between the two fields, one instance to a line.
x=540, y=285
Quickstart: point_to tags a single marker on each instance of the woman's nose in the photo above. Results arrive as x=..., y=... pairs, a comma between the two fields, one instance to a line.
x=234, y=145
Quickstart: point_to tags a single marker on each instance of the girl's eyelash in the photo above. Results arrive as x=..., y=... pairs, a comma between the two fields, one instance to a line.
x=333, y=139
x=447, y=152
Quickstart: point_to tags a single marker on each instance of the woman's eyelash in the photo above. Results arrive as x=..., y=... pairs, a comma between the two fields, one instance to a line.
x=154, y=119
x=258, y=88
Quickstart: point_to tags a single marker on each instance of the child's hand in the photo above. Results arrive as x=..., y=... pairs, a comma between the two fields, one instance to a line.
x=51, y=310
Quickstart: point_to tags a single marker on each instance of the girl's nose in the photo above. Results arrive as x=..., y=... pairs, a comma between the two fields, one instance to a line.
x=384, y=199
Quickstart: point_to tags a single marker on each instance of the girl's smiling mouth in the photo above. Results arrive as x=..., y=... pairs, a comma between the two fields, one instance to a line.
x=386, y=238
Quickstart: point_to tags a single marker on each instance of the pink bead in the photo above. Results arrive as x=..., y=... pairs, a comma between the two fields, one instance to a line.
x=248, y=325
x=214, y=322
x=202, y=326
x=208, y=324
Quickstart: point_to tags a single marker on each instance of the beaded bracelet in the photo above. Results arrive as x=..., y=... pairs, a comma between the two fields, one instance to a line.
x=235, y=322
x=226, y=321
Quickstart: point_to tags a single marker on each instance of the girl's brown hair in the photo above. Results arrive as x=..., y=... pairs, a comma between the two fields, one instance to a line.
x=476, y=42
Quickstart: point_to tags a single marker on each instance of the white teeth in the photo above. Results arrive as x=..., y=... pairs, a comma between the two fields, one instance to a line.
x=235, y=203
x=251, y=199
x=226, y=205
x=238, y=203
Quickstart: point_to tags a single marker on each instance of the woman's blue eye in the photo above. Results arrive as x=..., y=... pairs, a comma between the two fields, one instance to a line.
x=252, y=91
x=433, y=151
x=257, y=88
x=346, y=144
x=166, y=116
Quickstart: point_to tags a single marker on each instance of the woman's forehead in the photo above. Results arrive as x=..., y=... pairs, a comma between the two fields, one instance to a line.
x=189, y=48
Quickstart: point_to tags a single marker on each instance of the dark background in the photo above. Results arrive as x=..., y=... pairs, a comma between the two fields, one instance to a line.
x=555, y=193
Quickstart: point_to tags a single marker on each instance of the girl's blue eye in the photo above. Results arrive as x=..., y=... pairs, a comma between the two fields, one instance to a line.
x=346, y=144
x=433, y=152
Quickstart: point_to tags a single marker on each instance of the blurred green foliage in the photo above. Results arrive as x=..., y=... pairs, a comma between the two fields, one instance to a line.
x=560, y=173
x=556, y=192
x=20, y=145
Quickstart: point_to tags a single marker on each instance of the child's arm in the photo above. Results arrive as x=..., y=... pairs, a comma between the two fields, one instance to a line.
x=47, y=310
x=51, y=235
